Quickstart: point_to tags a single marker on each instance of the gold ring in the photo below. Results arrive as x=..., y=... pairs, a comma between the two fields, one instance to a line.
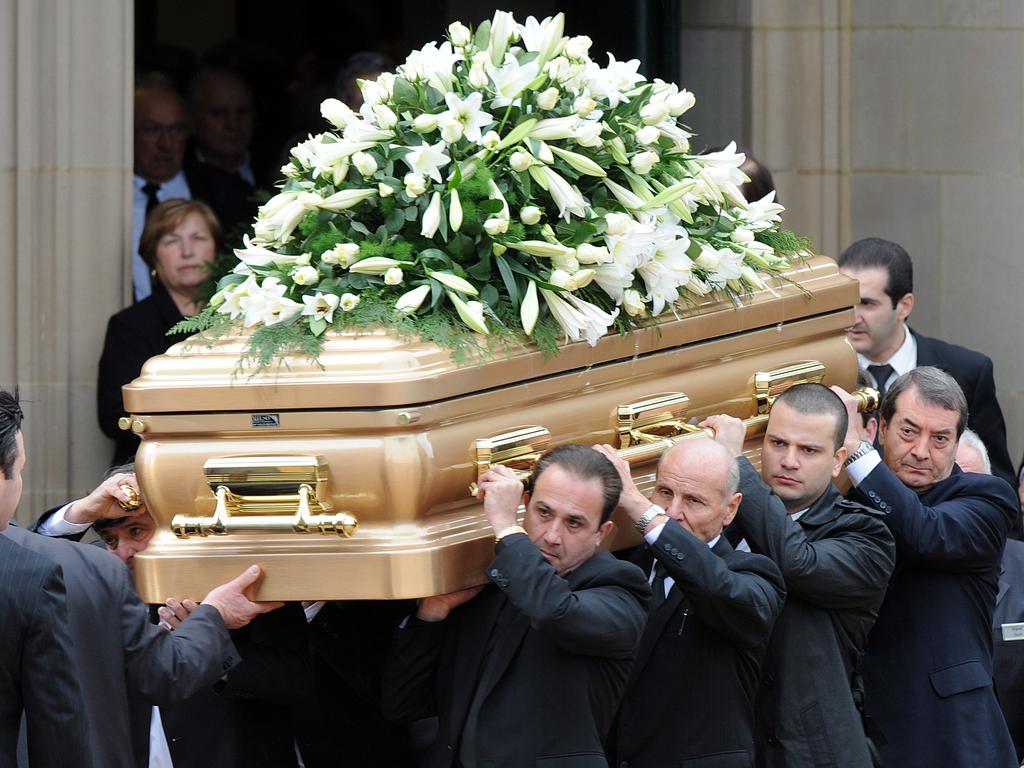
x=133, y=501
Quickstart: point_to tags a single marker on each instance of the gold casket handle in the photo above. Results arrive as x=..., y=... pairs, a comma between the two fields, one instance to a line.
x=303, y=521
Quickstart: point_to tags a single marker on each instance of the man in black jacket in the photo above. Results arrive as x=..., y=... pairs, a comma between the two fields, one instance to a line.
x=529, y=669
x=836, y=557
x=928, y=666
x=888, y=348
x=690, y=699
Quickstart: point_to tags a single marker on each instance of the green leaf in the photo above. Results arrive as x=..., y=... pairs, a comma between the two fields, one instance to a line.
x=395, y=221
x=482, y=38
x=317, y=326
x=509, y=279
x=489, y=295
x=490, y=206
x=404, y=91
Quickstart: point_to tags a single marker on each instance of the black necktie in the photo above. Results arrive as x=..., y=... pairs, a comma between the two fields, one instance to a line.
x=657, y=587
x=152, y=201
x=881, y=374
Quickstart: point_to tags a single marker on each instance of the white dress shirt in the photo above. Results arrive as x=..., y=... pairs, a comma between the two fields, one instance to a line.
x=903, y=361
x=176, y=187
x=58, y=525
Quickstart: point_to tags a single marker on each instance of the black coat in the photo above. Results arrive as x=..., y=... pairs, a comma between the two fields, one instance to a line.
x=558, y=663
x=38, y=668
x=836, y=561
x=133, y=336
x=1008, y=659
x=928, y=666
x=690, y=699
x=973, y=372
x=125, y=663
x=228, y=194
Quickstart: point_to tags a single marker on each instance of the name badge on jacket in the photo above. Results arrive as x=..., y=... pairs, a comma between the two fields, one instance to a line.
x=1013, y=631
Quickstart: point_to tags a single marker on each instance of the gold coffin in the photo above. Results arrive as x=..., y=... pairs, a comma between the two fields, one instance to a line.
x=350, y=479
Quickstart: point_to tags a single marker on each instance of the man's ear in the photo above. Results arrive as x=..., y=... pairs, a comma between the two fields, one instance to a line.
x=605, y=532
x=905, y=306
x=841, y=455
x=734, y=507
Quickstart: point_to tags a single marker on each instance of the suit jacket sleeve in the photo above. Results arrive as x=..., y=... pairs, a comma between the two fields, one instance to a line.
x=846, y=570
x=409, y=689
x=168, y=667
x=964, y=533
x=54, y=709
x=605, y=618
x=739, y=603
x=275, y=658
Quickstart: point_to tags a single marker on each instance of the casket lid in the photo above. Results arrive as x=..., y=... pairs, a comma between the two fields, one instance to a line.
x=375, y=370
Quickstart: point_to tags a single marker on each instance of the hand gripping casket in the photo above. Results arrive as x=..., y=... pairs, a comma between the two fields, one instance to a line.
x=350, y=479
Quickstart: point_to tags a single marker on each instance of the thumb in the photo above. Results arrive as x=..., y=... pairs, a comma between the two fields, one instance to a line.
x=247, y=578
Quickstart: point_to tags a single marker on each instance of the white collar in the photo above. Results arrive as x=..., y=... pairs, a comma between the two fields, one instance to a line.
x=904, y=360
x=797, y=515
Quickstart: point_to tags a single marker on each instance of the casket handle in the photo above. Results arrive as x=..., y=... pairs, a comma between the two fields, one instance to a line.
x=303, y=521
x=517, y=449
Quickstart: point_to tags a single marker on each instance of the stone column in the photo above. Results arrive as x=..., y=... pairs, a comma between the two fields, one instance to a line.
x=65, y=186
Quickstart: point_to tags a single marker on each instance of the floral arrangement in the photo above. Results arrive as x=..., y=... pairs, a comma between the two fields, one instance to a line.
x=499, y=182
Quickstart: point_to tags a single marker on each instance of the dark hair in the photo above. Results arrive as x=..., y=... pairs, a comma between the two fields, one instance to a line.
x=932, y=385
x=864, y=379
x=587, y=464
x=358, y=64
x=817, y=399
x=761, y=181
x=207, y=74
x=10, y=424
x=104, y=523
x=874, y=252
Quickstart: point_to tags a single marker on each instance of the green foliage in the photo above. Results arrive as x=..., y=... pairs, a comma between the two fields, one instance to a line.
x=786, y=241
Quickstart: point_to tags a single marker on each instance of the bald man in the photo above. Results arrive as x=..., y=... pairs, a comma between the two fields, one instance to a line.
x=692, y=690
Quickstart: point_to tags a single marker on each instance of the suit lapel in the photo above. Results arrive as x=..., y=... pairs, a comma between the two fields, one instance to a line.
x=655, y=628
x=925, y=356
x=505, y=648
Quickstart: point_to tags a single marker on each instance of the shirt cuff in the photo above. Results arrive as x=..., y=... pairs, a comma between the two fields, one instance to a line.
x=863, y=467
x=313, y=609
x=57, y=525
x=652, y=535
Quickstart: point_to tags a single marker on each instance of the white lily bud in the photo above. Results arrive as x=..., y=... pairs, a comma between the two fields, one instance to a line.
x=451, y=130
x=384, y=190
x=581, y=278
x=709, y=258
x=497, y=249
x=496, y=226
x=544, y=153
x=529, y=309
x=568, y=263
x=364, y=163
x=425, y=123
x=345, y=199
x=459, y=34
x=305, y=276
x=561, y=278
x=633, y=303
x=432, y=216
x=544, y=249
x=578, y=46
x=592, y=254
x=415, y=184
x=548, y=99
x=618, y=223
x=647, y=135
x=409, y=302
x=471, y=312
x=643, y=162
x=520, y=160
x=454, y=282
x=386, y=118
x=336, y=112
x=394, y=276
x=589, y=134
x=741, y=235
x=680, y=102
x=342, y=255
x=454, y=211
x=529, y=215
x=654, y=112
x=339, y=173
x=349, y=301
x=375, y=265
x=490, y=140
x=584, y=105
x=478, y=76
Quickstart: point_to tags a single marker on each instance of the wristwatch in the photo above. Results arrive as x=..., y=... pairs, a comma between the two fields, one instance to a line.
x=862, y=450
x=645, y=519
x=508, y=532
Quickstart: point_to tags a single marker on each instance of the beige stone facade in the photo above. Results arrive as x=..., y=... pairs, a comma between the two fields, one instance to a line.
x=902, y=120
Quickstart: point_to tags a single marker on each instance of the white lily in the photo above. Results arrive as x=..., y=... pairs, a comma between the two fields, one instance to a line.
x=349, y=301
x=454, y=282
x=415, y=184
x=543, y=249
x=361, y=131
x=343, y=255
x=553, y=128
x=432, y=64
x=544, y=37
x=503, y=30
x=427, y=159
x=305, y=275
x=633, y=303
x=592, y=254
x=454, y=211
x=578, y=318
x=579, y=162
x=624, y=196
x=257, y=255
x=529, y=309
x=337, y=113
x=321, y=306
x=409, y=302
x=613, y=81
x=467, y=113
x=232, y=305
x=566, y=197
x=346, y=199
x=374, y=265
x=432, y=216
x=471, y=312
x=394, y=276
x=511, y=79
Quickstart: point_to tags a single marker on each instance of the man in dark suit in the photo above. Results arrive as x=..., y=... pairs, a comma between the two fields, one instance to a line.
x=38, y=673
x=888, y=348
x=528, y=670
x=928, y=666
x=690, y=698
x=836, y=557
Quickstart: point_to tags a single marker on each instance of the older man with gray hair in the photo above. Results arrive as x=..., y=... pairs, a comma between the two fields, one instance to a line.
x=928, y=665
